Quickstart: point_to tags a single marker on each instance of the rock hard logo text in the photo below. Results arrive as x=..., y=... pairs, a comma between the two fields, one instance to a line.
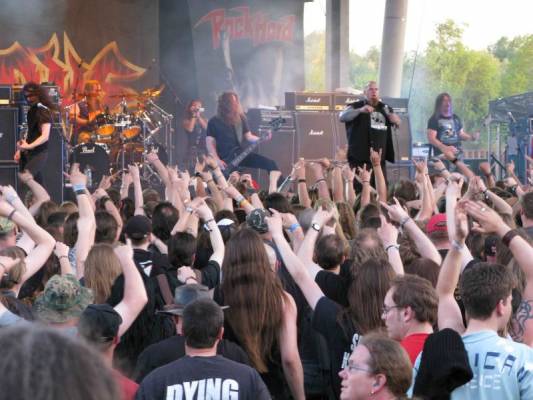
x=256, y=27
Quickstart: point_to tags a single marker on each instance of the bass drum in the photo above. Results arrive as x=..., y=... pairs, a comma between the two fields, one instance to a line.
x=133, y=154
x=93, y=156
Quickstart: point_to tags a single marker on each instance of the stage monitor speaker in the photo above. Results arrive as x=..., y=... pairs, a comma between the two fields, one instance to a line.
x=53, y=174
x=8, y=132
x=282, y=149
x=400, y=171
x=315, y=134
x=8, y=174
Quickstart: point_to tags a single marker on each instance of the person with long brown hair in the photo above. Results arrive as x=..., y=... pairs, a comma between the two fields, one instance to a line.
x=261, y=315
x=83, y=115
x=194, y=125
x=102, y=267
x=228, y=134
x=342, y=327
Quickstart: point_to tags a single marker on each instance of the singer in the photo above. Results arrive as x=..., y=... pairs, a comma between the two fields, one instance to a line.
x=194, y=124
x=369, y=125
x=32, y=148
x=445, y=129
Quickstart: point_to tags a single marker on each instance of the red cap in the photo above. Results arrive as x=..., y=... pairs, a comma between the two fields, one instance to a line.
x=437, y=223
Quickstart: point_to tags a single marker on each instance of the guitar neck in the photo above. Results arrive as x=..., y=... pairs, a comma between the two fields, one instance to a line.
x=237, y=160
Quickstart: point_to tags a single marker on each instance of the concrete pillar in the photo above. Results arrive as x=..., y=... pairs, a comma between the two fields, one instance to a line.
x=392, y=46
x=337, y=44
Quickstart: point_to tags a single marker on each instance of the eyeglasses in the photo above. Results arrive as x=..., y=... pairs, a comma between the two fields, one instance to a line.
x=385, y=309
x=354, y=367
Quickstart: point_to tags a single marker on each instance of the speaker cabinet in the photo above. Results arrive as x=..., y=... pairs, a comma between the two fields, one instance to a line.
x=316, y=134
x=401, y=138
x=53, y=174
x=341, y=139
x=8, y=174
x=8, y=133
x=282, y=149
x=400, y=171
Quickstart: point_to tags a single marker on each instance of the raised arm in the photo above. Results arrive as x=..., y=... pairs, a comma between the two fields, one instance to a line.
x=449, y=313
x=423, y=244
x=205, y=213
x=153, y=159
x=303, y=194
x=348, y=176
x=44, y=242
x=40, y=194
x=320, y=181
x=310, y=289
x=381, y=186
x=86, y=223
x=137, y=189
x=135, y=297
x=364, y=177
x=389, y=237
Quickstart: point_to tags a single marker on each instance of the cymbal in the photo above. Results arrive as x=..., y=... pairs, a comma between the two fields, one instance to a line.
x=123, y=95
x=153, y=92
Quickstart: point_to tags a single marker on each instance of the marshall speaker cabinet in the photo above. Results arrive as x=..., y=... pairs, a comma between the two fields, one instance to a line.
x=316, y=134
x=308, y=101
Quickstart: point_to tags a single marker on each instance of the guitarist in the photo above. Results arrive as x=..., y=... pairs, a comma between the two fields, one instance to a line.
x=228, y=130
x=32, y=149
x=83, y=114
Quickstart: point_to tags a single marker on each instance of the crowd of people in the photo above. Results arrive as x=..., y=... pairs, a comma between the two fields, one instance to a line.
x=325, y=287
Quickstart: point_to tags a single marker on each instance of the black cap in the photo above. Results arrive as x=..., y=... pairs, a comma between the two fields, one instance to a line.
x=257, y=220
x=99, y=323
x=184, y=295
x=138, y=227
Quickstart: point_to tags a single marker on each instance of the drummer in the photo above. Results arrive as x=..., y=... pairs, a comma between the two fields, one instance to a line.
x=83, y=115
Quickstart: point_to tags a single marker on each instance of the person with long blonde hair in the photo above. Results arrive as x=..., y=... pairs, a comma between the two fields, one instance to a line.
x=261, y=315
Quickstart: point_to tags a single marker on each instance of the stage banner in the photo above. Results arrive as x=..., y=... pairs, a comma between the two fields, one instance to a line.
x=253, y=47
x=71, y=41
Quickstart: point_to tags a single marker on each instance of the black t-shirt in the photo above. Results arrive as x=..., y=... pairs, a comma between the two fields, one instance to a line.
x=37, y=116
x=173, y=348
x=228, y=145
x=203, y=378
x=341, y=337
x=334, y=286
x=370, y=130
x=448, y=129
x=196, y=137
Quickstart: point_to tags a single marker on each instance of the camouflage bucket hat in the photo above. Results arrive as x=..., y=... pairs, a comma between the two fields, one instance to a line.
x=63, y=298
x=6, y=225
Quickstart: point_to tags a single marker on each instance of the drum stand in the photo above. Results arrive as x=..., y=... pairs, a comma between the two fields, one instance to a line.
x=148, y=174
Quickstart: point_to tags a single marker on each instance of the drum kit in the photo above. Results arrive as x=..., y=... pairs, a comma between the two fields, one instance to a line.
x=124, y=135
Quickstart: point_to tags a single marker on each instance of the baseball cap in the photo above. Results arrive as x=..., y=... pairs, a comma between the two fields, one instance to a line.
x=184, y=295
x=138, y=227
x=437, y=225
x=99, y=323
x=63, y=298
x=257, y=220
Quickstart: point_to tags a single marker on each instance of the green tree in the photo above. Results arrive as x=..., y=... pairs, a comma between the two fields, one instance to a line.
x=315, y=61
x=518, y=74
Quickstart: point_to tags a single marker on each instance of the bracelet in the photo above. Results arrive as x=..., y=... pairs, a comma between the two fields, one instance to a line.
x=209, y=220
x=456, y=245
x=320, y=180
x=302, y=180
x=60, y=257
x=506, y=239
x=239, y=199
x=191, y=277
x=189, y=209
x=80, y=192
x=11, y=214
x=454, y=161
x=293, y=227
x=403, y=221
x=392, y=246
x=78, y=186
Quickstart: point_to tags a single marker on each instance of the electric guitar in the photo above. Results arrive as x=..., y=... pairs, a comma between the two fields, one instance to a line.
x=231, y=166
x=23, y=133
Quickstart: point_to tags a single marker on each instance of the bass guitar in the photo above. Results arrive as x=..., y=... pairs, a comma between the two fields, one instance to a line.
x=233, y=165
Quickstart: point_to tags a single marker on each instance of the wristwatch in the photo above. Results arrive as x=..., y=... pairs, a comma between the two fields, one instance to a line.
x=315, y=226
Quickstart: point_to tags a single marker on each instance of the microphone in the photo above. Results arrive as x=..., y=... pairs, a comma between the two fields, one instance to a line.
x=41, y=105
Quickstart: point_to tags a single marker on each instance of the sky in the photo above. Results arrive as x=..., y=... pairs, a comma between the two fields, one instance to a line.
x=486, y=21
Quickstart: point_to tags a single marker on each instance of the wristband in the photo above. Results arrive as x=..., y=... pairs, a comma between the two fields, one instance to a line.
x=209, y=220
x=191, y=277
x=243, y=201
x=506, y=239
x=78, y=186
x=302, y=181
x=293, y=227
x=392, y=246
x=403, y=221
x=11, y=214
x=10, y=197
x=320, y=180
x=239, y=199
x=456, y=245
x=189, y=209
